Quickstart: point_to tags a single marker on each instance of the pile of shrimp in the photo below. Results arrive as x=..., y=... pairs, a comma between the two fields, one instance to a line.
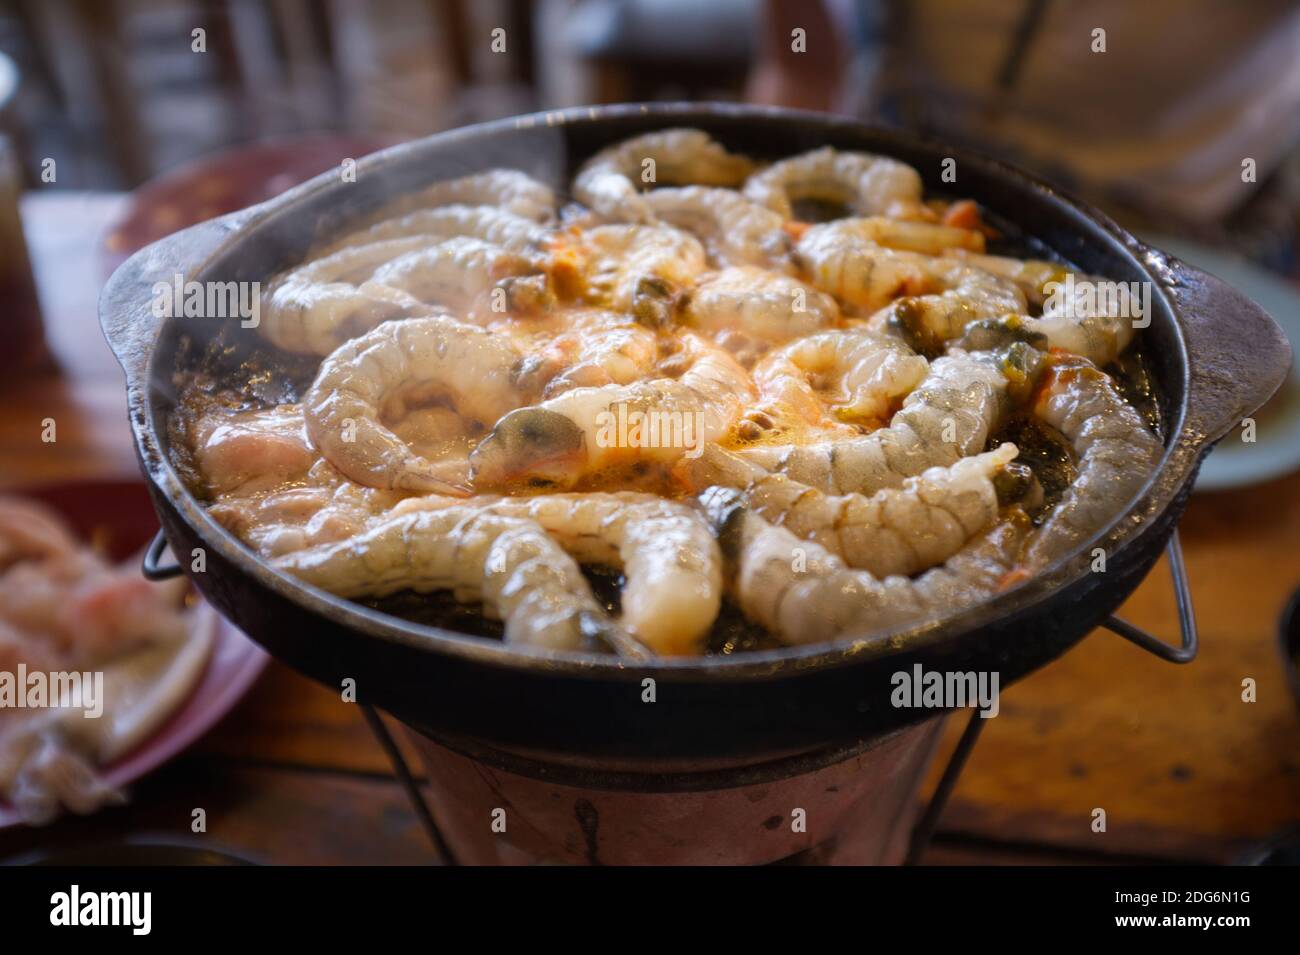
x=65, y=608
x=675, y=376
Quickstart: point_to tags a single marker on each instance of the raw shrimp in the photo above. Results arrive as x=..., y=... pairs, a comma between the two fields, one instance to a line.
x=509, y=564
x=249, y=451
x=49, y=756
x=900, y=530
x=1086, y=326
x=641, y=269
x=588, y=430
x=1098, y=337
x=60, y=600
x=48, y=579
x=869, y=185
x=804, y=594
x=323, y=508
x=1115, y=454
x=735, y=230
x=607, y=349
x=855, y=374
x=433, y=355
x=665, y=549
x=927, y=238
x=316, y=307
x=29, y=530
x=968, y=295
x=1031, y=276
x=950, y=415
x=110, y=612
x=41, y=774
x=507, y=189
x=606, y=182
x=454, y=273
x=859, y=273
x=16, y=648
x=487, y=223
x=758, y=304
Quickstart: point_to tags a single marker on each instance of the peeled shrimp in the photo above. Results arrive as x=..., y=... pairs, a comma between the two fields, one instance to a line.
x=861, y=274
x=49, y=757
x=607, y=182
x=454, y=273
x=250, y=451
x=665, y=549
x=598, y=349
x=436, y=355
x=869, y=185
x=968, y=295
x=62, y=602
x=950, y=415
x=1115, y=455
x=507, y=189
x=1031, y=276
x=41, y=774
x=29, y=530
x=928, y=238
x=322, y=507
x=854, y=374
x=735, y=230
x=1093, y=329
x=489, y=224
x=1091, y=318
x=758, y=304
x=900, y=530
x=316, y=307
x=86, y=610
x=509, y=564
x=641, y=269
x=803, y=593
x=588, y=430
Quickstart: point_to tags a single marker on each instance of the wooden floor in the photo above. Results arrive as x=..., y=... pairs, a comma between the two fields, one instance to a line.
x=1185, y=770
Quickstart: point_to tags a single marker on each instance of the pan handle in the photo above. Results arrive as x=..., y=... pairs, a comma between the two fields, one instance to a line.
x=1186, y=651
x=151, y=565
x=1237, y=355
x=126, y=311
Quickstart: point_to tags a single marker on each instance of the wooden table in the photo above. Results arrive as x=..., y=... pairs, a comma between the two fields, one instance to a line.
x=1184, y=769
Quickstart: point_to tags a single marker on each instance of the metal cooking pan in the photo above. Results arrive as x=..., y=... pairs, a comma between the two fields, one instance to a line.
x=1215, y=357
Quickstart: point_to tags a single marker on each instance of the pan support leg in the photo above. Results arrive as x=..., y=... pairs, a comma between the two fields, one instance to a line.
x=409, y=784
x=1185, y=652
x=923, y=832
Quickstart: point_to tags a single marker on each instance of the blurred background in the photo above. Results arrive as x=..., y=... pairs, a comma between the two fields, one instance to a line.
x=1152, y=117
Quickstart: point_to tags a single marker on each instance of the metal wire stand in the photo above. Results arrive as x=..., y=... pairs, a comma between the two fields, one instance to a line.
x=925, y=828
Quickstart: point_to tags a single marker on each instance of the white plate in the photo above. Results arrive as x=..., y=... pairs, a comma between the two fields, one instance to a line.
x=1276, y=448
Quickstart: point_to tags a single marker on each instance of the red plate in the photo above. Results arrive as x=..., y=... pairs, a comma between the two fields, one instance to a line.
x=118, y=516
x=223, y=182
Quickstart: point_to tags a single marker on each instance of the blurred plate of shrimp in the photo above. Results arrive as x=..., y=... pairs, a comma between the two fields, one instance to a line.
x=204, y=679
